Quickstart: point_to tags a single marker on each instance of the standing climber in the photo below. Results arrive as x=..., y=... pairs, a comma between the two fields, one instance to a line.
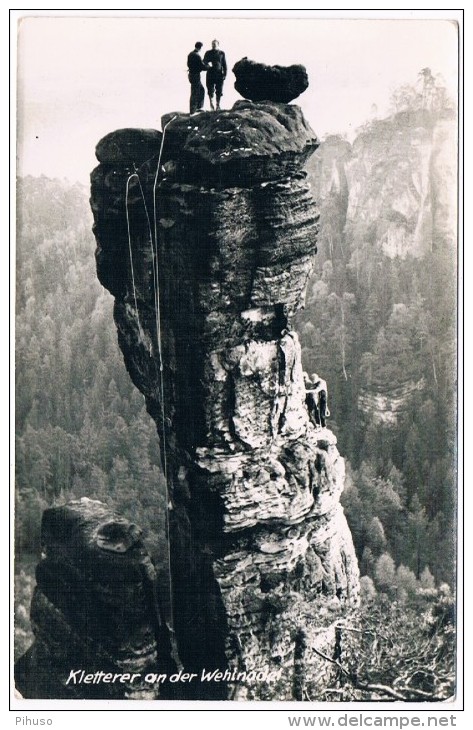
x=311, y=402
x=216, y=74
x=195, y=65
x=321, y=394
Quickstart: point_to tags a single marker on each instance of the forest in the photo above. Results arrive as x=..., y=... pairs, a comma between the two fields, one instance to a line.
x=379, y=325
x=381, y=329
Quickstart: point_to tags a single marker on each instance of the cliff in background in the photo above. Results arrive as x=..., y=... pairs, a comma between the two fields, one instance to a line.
x=262, y=560
x=389, y=209
x=395, y=185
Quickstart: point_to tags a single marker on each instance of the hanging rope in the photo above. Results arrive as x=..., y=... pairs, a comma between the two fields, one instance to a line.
x=130, y=249
x=153, y=238
x=157, y=307
x=155, y=252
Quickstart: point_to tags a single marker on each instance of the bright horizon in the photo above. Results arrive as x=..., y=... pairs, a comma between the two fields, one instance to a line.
x=80, y=78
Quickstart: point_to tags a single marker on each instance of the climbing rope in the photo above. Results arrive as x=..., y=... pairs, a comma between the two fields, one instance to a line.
x=130, y=249
x=155, y=252
x=157, y=304
x=157, y=307
x=153, y=238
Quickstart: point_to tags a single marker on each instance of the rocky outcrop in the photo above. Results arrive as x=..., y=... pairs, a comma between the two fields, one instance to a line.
x=259, y=82
x=243, y=146
x=386, y=408
x=327, y=171
x=208, y=262
x=132, y=146
x=386, y=199
x=398, y=173
x=94, y=613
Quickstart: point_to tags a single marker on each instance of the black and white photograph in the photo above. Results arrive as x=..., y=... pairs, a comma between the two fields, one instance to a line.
x=236, y=416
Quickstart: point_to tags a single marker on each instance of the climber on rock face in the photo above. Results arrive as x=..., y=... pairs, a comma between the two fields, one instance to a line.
x=216, y=74
x=195, y=65
x=316, y=399
x=311, y=402
x=321, y=393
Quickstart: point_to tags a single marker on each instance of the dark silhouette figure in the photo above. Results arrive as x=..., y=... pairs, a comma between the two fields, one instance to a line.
x=215, y=58
x=316, y=399
x=195, y=66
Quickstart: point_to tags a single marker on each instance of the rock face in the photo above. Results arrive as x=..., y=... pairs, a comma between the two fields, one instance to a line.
x=94, y=609
x=243, y=146
x=398, y=184
x=261, y=556
x=405, y=196
x=386, y=408
x=259, y=82
x=387, y=198
x=128, y=145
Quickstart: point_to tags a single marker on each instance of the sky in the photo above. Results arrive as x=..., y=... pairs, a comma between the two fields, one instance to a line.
x=79, y=78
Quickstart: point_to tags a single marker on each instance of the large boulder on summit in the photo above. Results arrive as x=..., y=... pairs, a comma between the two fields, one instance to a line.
x=259, y=82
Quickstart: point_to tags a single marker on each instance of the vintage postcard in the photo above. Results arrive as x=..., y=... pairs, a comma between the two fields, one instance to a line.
x=236, y=369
